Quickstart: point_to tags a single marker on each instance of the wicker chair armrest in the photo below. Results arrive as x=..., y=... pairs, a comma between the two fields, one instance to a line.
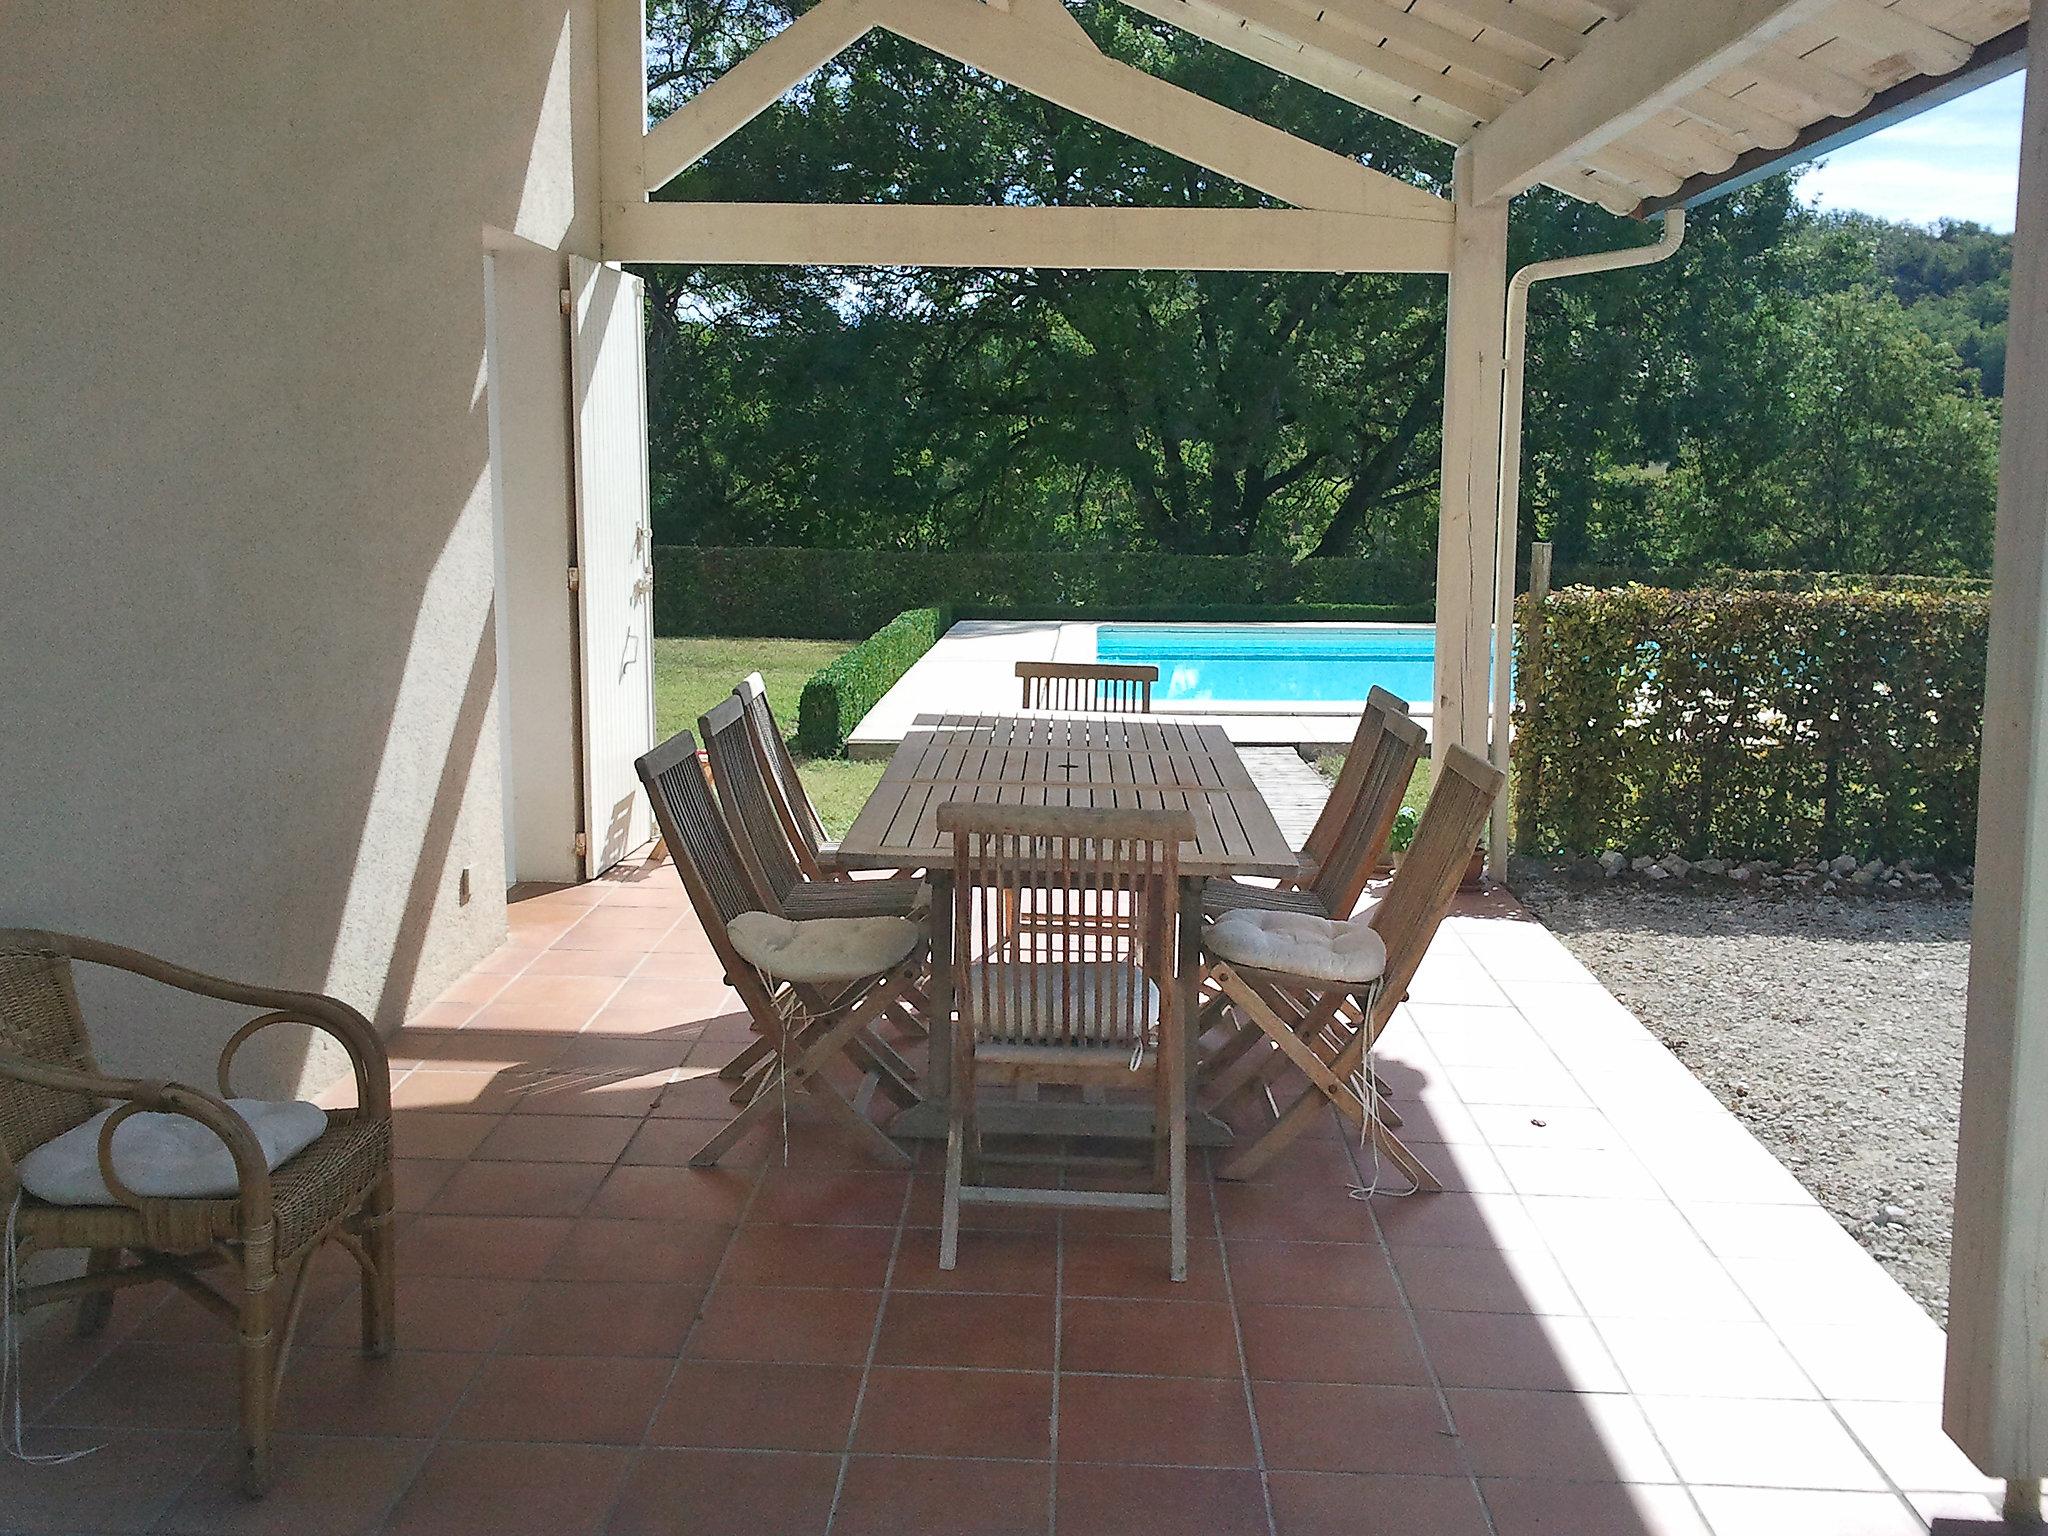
x=330, y=1015
x=136, y=1095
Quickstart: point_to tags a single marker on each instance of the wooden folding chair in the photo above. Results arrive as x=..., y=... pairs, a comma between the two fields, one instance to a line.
x=1079, y=992
x=771, y=859
x=1088, y=687
x=1325, y=836
x=1325, y=1028
x=805, y=1028
x=815, y=855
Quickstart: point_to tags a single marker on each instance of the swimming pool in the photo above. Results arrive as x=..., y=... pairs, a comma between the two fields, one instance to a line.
x=1277, y=663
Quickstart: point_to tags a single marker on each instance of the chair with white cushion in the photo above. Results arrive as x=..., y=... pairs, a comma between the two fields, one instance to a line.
x=160, y=1181
x=813, y=988
x=1322, y=990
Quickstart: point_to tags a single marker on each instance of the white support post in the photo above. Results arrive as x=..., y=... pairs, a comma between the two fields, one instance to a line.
x=621, y=106
x=1469, y=516
x=1996, y=1399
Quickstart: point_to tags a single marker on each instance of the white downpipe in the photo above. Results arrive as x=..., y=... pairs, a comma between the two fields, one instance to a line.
x=1511, y=487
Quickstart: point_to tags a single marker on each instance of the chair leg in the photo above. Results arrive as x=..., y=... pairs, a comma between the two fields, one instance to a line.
x=1177, y=1168
x=378, y=1226
x=96, y=1310
x=756, y=1052
x=949, y=1218
x=258, y=1338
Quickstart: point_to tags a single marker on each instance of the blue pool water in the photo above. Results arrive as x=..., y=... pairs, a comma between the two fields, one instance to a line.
x=1277, y=663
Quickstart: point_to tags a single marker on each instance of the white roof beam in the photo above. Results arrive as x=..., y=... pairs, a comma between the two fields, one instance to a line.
x=1036, y=58
x=751, y=86
x=1377, y=22
x=1628, y=72
x=1522, y=23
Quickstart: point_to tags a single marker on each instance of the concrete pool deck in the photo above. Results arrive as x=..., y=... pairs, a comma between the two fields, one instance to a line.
x=970, y=670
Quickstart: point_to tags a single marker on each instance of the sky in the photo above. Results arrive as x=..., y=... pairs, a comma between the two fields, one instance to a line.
x=1958, y=161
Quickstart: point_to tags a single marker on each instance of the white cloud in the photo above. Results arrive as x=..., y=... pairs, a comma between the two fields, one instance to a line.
x=1958, y=161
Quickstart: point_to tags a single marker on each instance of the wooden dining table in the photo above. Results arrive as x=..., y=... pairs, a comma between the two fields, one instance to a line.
x=1105, y=762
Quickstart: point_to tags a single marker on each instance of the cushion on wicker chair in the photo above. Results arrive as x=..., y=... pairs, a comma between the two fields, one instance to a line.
x=164, y=1156
x=822, y=949
x=1297, y=944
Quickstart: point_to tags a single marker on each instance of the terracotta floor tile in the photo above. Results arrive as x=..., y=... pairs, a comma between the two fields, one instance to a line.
x=417, y=1181
x=615, y=963
x=144, y=1385
x=643, y=1252
x=127, y=1485
x=1503, y=1349
x=1567, y=1436
x=511, y=1490
x=1161, y=1421
x=957, y=1413
x=697, y=1092
x=1597, y=1172
x=1318, y=1211
x=1759, y=1444
x=519, y=1189
x=759, y=1323
x=1907, y=1441
x=896, y=1495
x=1790, y=1512
x=758, y=1406
x=1326, y=1427
x=1114, y=1264
x=565, y=994
x=996, y=1332
x=926, y=1208
x=491, y=1247
x=428, y=1133
x=799, y=1195
x=1530, y=1508
x=534, y=1021
x=726, y=1493
x=1021, y=1263
x=558, y=1139
x=1703, y=1359
x=339, y=1392
x=1144, y=1337
x=1366, y=1504
x=569, y=1089
x=326, y=1486
x=561, y=1398
x=702, y=1195
x=476, y=1048
x=592, y=1317
x=461, y=1093
x=1476, y=1280
x=671, y=1143
x=435, y=1312
x=1843, y=1365
x=1455, y=1220
x=809, y=1256
x=1116, y=1501
x=1311, y=1274
x=1359, y=1345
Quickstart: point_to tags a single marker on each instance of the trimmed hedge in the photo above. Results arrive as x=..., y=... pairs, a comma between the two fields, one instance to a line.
x=1725, y=580
x=839, y=694
x=828, y=594
x=1748, y=723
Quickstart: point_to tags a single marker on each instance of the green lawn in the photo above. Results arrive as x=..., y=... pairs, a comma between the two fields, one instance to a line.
x=693, y=673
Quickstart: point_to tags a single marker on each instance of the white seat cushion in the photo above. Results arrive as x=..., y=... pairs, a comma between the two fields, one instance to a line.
x=165, y=1157
x=1298, y=944
x=1096, y=988
x=822, y=949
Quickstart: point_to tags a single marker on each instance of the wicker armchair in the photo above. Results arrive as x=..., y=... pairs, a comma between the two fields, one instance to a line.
x=337, y=1189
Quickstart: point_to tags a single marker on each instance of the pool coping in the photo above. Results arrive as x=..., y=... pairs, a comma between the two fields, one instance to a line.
x=970, y=670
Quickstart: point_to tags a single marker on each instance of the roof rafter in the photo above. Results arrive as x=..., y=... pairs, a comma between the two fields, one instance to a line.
x=1629, y=71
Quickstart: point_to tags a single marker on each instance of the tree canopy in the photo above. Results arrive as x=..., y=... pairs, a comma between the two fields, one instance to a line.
x=1765, y=397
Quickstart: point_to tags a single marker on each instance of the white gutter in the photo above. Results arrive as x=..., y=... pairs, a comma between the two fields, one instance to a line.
x=1511, y=486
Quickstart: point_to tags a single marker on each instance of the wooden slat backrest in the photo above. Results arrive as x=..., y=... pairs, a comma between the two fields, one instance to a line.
x=1082, y=686
x=698, y=839
x=800, y=817
x=1056, y=909
x=749, y=803
x=1432, y=868
x=1369, y=826
x=1329, y=828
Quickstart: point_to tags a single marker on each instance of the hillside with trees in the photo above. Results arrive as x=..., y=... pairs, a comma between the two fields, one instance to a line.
x=1790, y=390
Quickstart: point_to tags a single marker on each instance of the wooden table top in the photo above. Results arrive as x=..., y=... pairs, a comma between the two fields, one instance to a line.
x=1109, y=762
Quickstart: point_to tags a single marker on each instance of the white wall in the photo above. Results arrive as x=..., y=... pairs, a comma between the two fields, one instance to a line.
x=245, y=517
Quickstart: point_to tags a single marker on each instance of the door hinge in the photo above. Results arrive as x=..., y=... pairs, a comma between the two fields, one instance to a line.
x=568, y=301
x=582, y=848
x=575, y=578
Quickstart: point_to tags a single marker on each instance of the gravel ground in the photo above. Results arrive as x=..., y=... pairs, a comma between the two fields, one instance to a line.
x=1832, y=1027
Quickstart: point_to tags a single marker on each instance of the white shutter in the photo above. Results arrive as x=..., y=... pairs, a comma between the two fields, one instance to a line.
x=614, y=559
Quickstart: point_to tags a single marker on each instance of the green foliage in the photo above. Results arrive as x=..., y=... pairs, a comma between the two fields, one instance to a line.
x=836, y=697
x=846, y=593
x=1751, y=723
x=1954, y=279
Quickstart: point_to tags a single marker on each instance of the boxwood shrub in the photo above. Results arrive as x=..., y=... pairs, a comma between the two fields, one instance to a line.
x=838, y=695
x=1748, y=723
